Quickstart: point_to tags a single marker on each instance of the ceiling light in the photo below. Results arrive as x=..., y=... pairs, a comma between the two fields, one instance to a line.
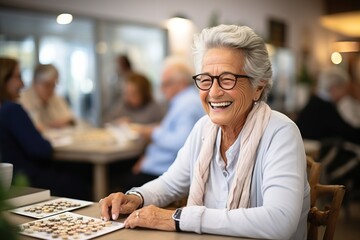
x=64, y=18
x=336, y=58
x=346, y=46
x=344, y=23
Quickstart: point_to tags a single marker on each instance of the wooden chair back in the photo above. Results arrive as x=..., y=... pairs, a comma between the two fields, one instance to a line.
x=328, y=196
x=326, y=216
x=314, y=172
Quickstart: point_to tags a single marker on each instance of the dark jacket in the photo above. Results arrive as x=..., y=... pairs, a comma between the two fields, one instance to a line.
x=320, y=120
x=21, y=143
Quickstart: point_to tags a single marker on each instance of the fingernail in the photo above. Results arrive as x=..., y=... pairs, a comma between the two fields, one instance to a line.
x=114, y=216
x=104, y=219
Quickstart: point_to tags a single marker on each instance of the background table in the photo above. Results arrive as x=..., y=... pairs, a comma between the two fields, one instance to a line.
x=97, y=146
x=127, y=234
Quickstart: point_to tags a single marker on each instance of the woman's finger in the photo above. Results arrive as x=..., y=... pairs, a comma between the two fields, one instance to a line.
x=134, y=219
x=104, y=209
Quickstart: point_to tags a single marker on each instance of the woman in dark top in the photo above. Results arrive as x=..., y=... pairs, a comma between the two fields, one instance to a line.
x=22, y=145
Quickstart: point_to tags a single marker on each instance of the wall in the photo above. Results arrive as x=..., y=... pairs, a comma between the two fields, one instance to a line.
x=301, y=16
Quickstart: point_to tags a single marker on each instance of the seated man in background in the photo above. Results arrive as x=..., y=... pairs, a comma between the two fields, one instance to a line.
x=184, y=111
x=46, y=109
x=320, y=120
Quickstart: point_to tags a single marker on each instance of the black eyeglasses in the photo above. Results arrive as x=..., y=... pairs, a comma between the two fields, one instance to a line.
x=226, y=80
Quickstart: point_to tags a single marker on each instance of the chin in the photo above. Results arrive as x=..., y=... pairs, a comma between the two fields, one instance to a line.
x=216, y=119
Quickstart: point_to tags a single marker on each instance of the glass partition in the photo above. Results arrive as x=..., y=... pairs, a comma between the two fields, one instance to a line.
x=84, y=53
x=145, y=47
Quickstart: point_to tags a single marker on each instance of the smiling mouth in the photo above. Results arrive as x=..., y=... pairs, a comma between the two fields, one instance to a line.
x=215, y=105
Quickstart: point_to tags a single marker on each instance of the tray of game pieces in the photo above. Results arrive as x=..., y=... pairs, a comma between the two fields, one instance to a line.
x=68, y=226
x=51, y=207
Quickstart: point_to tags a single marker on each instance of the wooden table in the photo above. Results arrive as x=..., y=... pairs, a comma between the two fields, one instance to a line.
x=126, y=234
x=98, y=147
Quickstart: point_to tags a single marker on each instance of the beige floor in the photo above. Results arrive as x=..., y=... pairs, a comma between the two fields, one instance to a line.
x=349, y=228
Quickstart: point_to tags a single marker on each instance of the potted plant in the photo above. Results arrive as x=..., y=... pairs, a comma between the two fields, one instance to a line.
x=9, y=231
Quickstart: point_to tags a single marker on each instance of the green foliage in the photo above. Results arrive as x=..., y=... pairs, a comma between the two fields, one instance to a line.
x=304, y=76
x=7, y=230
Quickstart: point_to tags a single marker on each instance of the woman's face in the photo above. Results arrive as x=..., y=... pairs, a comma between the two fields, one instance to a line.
x=14, y=85
x=132, y=95
x=227, y=108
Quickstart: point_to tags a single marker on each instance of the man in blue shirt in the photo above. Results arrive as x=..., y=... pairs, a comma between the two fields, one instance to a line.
x=166, y=139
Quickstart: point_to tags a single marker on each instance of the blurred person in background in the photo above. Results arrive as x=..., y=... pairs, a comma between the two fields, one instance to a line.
x=138, y=104
x=339, y=141
x=320, y=119
x=46, y=108
x=22, y=144
x=349, y=106
x=116, y=84
x=167, y=138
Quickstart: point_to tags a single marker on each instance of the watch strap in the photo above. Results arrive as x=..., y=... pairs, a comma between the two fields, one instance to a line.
x=131, y=192
x=176, y=217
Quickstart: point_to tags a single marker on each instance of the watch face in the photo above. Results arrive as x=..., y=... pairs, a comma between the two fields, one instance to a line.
x=177, y=213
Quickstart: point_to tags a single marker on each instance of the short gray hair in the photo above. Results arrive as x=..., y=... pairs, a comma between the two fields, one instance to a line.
x=333, y=76
x=257, y=62
x=182, y=67
x=45, y=71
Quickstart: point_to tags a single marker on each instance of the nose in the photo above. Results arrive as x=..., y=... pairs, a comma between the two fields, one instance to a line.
x=215, y=89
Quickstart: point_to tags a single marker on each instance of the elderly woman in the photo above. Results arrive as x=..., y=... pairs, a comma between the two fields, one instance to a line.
x=46, y=109
x=243, y=165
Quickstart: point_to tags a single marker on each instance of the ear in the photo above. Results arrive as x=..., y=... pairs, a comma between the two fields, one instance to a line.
x=258, y=90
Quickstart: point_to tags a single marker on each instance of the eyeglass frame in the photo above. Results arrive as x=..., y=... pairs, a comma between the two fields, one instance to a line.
x=212, y=77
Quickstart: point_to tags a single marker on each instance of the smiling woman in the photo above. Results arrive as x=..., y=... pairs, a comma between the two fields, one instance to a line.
x=242, y=163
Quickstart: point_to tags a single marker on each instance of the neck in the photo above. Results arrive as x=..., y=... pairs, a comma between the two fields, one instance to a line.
x=230, y=133
x=228, y=137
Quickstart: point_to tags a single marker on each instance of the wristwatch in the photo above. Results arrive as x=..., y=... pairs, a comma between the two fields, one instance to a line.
x=176, y=216
x=136, y=193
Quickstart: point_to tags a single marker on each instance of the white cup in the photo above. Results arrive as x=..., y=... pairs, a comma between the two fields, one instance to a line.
x=6, y=175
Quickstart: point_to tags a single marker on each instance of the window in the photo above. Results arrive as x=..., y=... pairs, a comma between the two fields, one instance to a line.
x=84, y=53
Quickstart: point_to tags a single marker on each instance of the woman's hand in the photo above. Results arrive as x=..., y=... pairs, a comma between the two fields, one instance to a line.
x=151, y=217
x=118, y=203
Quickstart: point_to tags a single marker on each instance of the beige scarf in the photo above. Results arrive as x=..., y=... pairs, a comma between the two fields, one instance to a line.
x=239, y=195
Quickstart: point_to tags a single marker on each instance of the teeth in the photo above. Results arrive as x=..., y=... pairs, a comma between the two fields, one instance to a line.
x=220, y=104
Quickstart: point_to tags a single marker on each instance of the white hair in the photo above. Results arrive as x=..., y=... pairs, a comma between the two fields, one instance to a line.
x=257, y=63
x=183, y=68
x=44, y=72
x=332, y=77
